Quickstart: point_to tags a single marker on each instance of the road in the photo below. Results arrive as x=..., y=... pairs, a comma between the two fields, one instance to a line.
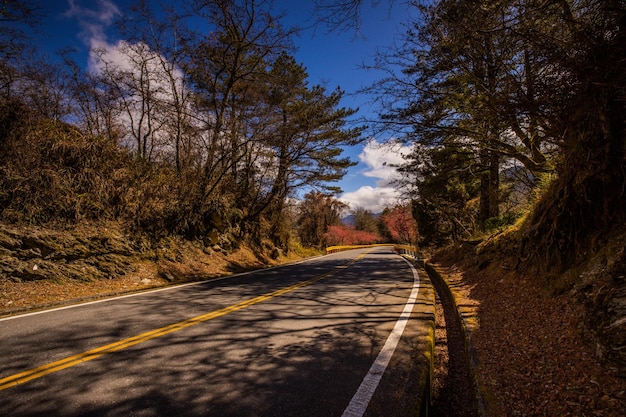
x=308, y=339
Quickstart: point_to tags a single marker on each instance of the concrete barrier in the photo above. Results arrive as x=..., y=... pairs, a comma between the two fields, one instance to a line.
x=463, y=318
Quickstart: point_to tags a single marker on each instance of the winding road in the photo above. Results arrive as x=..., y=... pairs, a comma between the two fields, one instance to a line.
x=340, y=335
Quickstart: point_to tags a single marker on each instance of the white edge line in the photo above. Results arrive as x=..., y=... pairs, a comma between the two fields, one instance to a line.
x=361, y=399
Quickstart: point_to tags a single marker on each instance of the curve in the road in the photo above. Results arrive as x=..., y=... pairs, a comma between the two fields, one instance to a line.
x=92, y=354
x=360, y=400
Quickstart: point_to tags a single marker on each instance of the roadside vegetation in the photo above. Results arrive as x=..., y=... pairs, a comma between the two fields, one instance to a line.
x=176, y=133
x=515, y=111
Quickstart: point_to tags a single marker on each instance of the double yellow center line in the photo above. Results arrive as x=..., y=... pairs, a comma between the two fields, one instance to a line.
x=92, y=354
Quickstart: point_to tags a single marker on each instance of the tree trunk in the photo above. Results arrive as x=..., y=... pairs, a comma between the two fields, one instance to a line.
x=483, y=207
x=494, y=185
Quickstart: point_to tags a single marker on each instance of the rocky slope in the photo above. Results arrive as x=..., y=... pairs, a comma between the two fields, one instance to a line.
x=84, y=254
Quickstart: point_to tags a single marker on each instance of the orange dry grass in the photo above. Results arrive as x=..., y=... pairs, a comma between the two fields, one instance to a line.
x=20, y=296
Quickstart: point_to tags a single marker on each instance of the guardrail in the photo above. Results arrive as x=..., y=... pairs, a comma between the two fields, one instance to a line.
x=339, y=248
x=407, y=250
x=411, y=251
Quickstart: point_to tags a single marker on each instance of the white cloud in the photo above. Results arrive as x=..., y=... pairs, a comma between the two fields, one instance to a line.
x=103, y=53
x=380, y=160
x=374, y=199
x=129, y=65
x=94, y=19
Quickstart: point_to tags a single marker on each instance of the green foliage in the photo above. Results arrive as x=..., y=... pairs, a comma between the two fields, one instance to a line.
x=503, y=221
x=304, y=131
x=487, y=85
x=447, y=184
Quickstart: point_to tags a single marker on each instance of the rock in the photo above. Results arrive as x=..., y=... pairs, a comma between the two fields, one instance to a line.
x=218, y=222
x=166, y=275
x=605, y=321
x=30, y=253
x=111, y=264
x=9, y=243
x=83, y=253
x=40, y=241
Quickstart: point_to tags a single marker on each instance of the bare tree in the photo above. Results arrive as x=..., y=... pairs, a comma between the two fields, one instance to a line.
x=17, y=17
x=163, y=35
x=92, y=102
x=46, y=88
x=224, y=67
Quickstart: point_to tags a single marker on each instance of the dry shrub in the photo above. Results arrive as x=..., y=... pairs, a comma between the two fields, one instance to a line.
x=152, y=200
x=51, y=172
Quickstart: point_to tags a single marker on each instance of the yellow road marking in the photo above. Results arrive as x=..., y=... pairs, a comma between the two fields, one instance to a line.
x=92, y=354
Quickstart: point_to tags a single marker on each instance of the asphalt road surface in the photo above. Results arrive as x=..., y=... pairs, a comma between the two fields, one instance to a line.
x=335, y=335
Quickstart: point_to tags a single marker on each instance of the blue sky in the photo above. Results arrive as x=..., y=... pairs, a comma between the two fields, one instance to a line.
x=337, y=58
x=332, y=58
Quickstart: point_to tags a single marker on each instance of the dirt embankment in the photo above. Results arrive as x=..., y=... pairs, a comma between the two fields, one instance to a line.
x=42, y=267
